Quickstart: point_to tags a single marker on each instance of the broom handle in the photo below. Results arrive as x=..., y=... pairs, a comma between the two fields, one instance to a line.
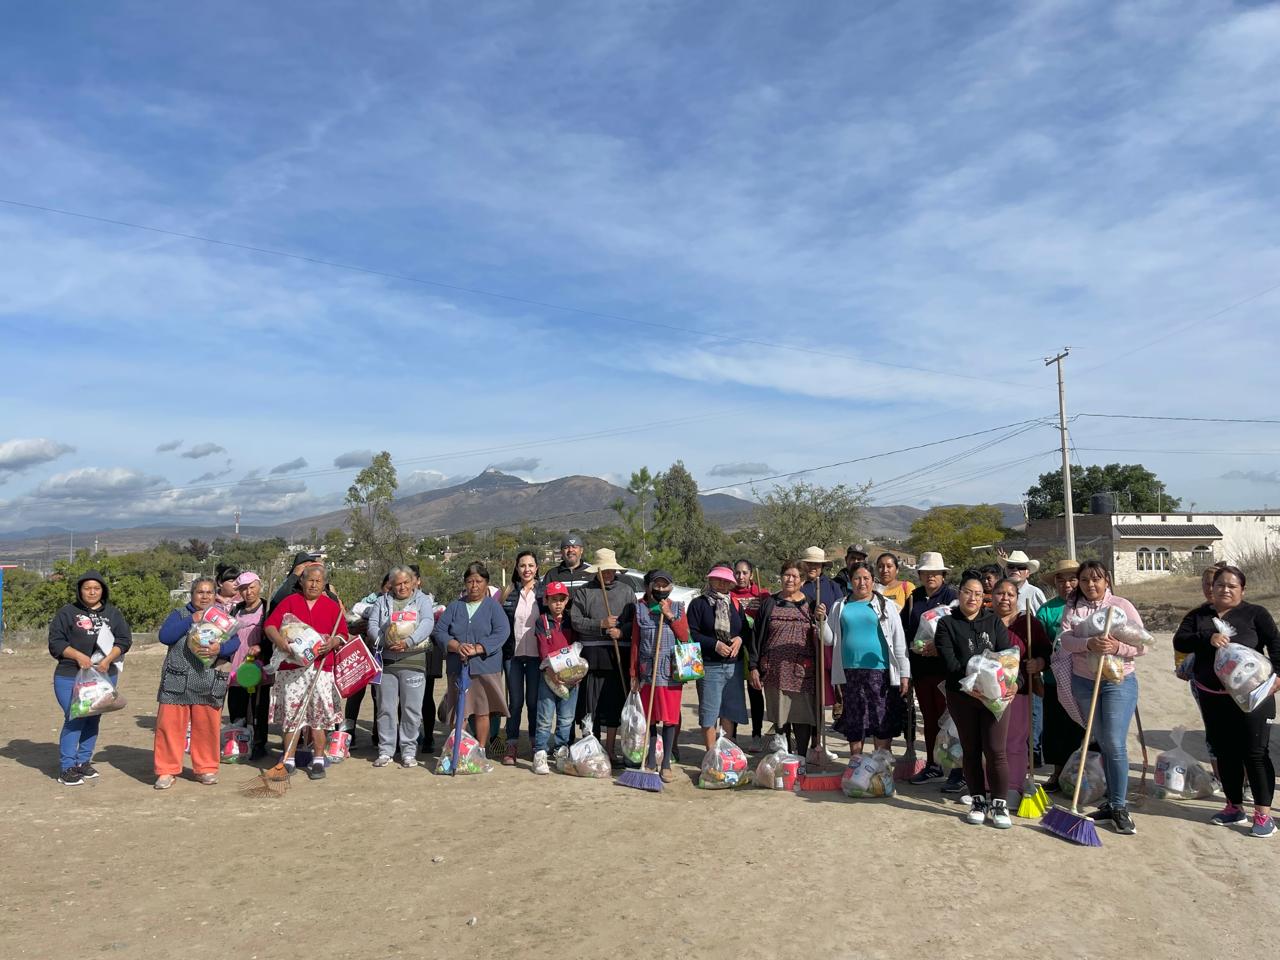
x=1031, y=727
x=821, y=734
x=1088, y=729
x=653, y=686
x=306, y=699
x=1142, y=739
x=617, y=654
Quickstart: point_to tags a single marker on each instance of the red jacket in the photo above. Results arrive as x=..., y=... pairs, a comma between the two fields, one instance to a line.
x=552, y=635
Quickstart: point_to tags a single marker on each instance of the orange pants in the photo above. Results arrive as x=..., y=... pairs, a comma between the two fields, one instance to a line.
x=171, y=738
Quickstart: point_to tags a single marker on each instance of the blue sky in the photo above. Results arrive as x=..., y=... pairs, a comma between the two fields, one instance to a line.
x=786, y=235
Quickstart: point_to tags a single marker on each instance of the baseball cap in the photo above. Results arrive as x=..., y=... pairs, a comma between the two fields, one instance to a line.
x=571, y=540
x=556, y=589
x=246, y=578
x=856, y=548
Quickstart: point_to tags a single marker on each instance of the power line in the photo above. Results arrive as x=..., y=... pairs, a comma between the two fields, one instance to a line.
x=1134, y=416
x=1222, y=453
x=1179, y=327
x=478, y=292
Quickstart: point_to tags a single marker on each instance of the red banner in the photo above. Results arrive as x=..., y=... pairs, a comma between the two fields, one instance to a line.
x=354, y=667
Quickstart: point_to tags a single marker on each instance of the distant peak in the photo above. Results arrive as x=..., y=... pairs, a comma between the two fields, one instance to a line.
x=492, y=477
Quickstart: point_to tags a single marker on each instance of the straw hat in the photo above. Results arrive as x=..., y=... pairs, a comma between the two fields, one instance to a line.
x=814, y=555
x=931, y=562
x=1071, y=567
x=1020, y=559
x=605, y=559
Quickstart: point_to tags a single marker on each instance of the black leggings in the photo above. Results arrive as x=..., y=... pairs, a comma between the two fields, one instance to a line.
x=1241, y=742
x=803, y=734
x=427, y=737
x=668, y=744
x=982, y=735
x=757, y=710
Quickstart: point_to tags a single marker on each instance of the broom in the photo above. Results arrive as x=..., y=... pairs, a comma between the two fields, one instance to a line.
x=644, y=778
x=1142, y=784
x=813, y=780
x=1034, y=802
x=909, y=764
x=274, y=781
x=1072, y=824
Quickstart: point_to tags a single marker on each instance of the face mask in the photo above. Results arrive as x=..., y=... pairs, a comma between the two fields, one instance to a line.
x=660, y=595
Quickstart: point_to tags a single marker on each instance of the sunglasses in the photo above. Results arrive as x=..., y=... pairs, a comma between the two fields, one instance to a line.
x=1016, y=566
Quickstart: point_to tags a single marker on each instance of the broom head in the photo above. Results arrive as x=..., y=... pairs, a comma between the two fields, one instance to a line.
x=640, y=780
x=818, y=783
x=1034, y=803
x=1075, y=827
x=270, y=783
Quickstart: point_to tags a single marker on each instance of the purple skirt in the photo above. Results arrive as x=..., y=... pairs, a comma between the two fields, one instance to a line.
x=873, y=708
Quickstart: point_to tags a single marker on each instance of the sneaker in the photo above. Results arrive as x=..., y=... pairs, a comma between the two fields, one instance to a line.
x=408, y=762
x=165, y=782
x=208, y=779
x=999, y=815
x=87, y=771
x=931, y=772
x=977, y=814
x=70, y=777
x=382, y=761
x=509, y=758
x=832, y=759
x=1103, y=812
x=1228, y=815
x=316, y=770
x=1122, y=822
x=540, y=763
x=955, y=783
x=1263, y=828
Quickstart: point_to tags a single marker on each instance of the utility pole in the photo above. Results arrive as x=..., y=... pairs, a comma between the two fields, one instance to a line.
x=1068, y=507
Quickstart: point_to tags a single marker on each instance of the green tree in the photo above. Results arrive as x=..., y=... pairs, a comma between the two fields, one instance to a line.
x=633, y=543
x=803, y=514
x=375, y=529
x=955, y=531
x=197, y=549
x=1136, y=490
x=684, y=541
x=144, y=601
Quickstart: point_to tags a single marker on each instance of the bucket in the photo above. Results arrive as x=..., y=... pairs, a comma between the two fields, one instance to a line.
x=788, y=770
x=338, y=747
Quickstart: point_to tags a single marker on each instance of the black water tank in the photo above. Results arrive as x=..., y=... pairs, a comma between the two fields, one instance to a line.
x=1102, y=503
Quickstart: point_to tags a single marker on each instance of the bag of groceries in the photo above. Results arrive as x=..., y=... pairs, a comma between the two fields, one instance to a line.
x=93, y=694
x=209, y=630
x=723, y=766
x=471, y=758
x=868, y=775
x=634, y=734
x=928, y=627
x=1094, y=787
x=586, y=758
x=947, y=752
x=992, y=677
x=1179, y=775
x=305, y=642
x=1244, y=672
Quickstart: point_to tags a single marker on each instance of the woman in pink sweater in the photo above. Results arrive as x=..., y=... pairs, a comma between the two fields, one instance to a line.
x=1083, y=641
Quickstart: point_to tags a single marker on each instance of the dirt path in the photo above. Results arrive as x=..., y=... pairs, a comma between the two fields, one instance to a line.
x=558, y=867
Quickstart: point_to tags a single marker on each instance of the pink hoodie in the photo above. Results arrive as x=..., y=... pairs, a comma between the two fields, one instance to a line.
x=1075, y=640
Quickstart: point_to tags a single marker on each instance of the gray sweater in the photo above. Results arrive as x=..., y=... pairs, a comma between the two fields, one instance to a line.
x=414, y=657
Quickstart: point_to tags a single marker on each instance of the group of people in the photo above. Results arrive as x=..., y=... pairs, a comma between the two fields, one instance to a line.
x=842, y=643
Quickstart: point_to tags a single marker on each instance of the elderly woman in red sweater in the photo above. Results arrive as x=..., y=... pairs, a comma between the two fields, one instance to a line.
x=310, y=604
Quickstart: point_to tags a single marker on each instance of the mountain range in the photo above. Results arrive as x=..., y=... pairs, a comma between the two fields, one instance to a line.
x=492, y=499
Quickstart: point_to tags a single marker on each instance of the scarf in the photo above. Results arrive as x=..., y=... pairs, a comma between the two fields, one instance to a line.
x=719, y=601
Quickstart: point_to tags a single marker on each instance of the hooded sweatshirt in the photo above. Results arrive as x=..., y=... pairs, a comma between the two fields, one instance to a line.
x=587, y=607
x=78, y=627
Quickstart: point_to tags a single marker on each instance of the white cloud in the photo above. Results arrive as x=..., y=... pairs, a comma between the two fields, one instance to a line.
x=741, y=469
x=168, y=446
x=521, y=464
x=297, y=464
x=92, y=483
x=420, y=481
x=19, y=455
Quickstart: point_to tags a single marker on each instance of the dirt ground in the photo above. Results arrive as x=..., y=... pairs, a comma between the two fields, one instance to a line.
x=390, y=862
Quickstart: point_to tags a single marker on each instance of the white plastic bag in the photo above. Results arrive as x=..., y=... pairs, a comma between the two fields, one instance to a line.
x=1244, y=673
x=992, y=677
x=928, y=627
x=770, y=772
x=1094, y=787
x=868, y=776
x=1179, y=775
x=304, y=641
x=634, y=734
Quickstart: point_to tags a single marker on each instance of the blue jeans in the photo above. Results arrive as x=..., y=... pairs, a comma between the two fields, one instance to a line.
x=80, y=734
x=721, y=695
x=552, y=711
x=523, y=677
x=1116, y=703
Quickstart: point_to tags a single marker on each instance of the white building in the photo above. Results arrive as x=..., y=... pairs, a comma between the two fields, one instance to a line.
x=1146, y=546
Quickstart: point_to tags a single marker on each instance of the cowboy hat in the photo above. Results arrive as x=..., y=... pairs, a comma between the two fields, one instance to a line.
x=605, y=559
x=931, y=562
x=1069, y=567
x=1020, y=559
x=814, y=555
